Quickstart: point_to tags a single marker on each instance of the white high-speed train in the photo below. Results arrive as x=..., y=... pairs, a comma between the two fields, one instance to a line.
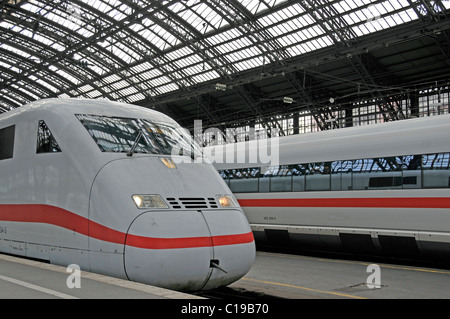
x=382, y=188
x=113, y=188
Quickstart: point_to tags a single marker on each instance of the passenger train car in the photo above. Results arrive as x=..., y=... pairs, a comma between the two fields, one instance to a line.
x=382, y=189
x=114, y=189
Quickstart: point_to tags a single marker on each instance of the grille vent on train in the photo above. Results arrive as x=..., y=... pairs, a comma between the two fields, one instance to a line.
x=192, y=202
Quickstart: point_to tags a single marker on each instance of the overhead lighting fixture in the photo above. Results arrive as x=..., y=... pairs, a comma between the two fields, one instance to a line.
x=221, y=87
x=288, y=100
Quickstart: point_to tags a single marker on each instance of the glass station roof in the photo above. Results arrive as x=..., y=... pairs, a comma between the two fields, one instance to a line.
x=134, y=50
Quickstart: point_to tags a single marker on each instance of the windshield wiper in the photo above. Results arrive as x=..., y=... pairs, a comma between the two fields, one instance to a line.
x=136, y=141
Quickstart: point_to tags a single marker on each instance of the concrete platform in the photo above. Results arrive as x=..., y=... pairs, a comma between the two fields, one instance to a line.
x=28, y=279
x=292, y=276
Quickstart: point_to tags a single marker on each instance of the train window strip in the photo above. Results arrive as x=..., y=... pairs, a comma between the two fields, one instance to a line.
x=397, y=172
x=46, y=142
x=7, y=135
x=114, y=134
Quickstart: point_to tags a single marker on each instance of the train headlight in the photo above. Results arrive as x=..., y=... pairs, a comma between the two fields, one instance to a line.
x=227, y=201
x=149, y=201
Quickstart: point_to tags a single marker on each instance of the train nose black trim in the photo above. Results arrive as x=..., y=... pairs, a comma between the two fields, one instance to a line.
x=214, y=263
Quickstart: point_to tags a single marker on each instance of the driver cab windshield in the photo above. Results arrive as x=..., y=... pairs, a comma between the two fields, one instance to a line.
x=120, y=135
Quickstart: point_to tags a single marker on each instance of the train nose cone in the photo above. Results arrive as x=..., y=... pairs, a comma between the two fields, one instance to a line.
x=177, y=250
x=234, y=246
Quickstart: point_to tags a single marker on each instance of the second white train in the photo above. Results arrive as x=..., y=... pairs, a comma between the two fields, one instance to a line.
x=382, y=188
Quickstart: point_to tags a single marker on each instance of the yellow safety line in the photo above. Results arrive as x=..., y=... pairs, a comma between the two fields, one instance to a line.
x=446, y=272
x=303, y=288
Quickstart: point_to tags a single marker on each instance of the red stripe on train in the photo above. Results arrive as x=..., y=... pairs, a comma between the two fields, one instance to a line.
x=377, y=202
x=190, y=242
x=56, y=216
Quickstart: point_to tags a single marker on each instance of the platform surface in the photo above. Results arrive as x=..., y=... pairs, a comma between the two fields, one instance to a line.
x=22, y=279
x=294, y=276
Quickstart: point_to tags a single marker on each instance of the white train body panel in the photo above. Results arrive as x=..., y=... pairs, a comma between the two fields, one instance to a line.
x=350, y=210
x=75, y=206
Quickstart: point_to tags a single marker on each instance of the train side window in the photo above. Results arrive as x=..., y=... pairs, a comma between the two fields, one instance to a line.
x=318, y=176
x=7, y=142
x=46, y=142
x=243, y=180
x=436, y=170
x=336, y=178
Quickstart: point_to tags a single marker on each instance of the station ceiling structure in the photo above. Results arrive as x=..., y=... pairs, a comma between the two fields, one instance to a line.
x=228, y=63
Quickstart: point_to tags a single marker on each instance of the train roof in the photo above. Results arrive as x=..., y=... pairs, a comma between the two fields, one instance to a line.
x=60, y=106
x=408, y=137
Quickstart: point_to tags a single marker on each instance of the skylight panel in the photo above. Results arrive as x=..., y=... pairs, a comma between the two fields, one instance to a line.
x=180, y=53
x=168, y=88
x=7, y=25
x=5, y=65
x=254, y=6
x=345, y=5
x=193, y=70
x=285, y=41
x=240, y=55
x=249, y=64
x=327, y=40
x=162, y=37
x=353, y=18
x=235, y=45
x=128, y=91
x=94, y=94
x=203, y=12
x=116, y=15
x=340, y=8
x=177, y=7
x=100, y=5
x=47, y=85
x=206, y=76
x=14, y=69
x=116, y=49
x=387, y=22
x=274, y=3
x=411, y=14
x=267, y=21
x=160, y=81
x=136, y=97
x=19, y=52
x=136, y=27
x=376, y=10
x=14, y=98
x=190, y=16
x=86, y=88
x=111, y=79
x=216, y=20
x=128, y=52
x=21, y=87
x=30, y=7
x=141, y=67
x=97, y=68
x=284, y=14
x=226, y=36
x=307, y=19
x=147, y=34
x=150, y=74
x=67, y=76
x=120, y=84
x=397, y=5
x=191, y=60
